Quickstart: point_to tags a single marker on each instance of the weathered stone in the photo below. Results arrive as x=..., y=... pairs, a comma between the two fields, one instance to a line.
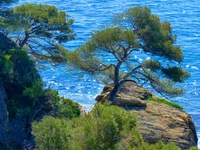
x=156, y=121
x=130, y=94
x=162, y=122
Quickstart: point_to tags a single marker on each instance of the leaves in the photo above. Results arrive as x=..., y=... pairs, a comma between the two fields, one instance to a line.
x=155, y=36
x=41, y=28
x=100, y=129
x=151, y=64
x=104, y=128
x=176, y=74
x=116, y=53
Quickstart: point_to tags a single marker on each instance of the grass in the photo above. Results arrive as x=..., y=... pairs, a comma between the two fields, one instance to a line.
x=163, y=101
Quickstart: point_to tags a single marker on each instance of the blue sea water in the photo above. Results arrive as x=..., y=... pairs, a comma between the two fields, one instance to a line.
x=92, y=15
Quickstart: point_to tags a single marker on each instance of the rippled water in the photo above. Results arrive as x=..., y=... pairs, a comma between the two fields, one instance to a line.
x=91, y=15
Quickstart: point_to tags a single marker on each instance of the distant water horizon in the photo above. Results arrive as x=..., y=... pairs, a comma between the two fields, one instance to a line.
x=90, y=15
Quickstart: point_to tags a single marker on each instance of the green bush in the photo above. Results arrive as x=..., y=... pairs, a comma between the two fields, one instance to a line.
x=158, y=146
x=100, y=129
x=51, y=134
x=6, y=69
x=25, y=93
x=104, y=128
x=62, y=107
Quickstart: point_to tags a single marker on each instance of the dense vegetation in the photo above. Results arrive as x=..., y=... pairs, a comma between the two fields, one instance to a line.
x=26, y=97
x=39, y=32
x=104, y=128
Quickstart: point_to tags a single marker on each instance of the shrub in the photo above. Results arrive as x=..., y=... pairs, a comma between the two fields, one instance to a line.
x=104, y=128
x=25, y=93
x=51, y=134
x=100, y=129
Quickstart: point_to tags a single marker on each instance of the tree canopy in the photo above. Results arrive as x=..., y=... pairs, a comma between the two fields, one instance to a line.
x=40, y=29
x=138, y=47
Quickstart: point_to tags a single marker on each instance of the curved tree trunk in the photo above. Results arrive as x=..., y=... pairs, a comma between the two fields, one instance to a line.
x=113, y=93
x=116, y=89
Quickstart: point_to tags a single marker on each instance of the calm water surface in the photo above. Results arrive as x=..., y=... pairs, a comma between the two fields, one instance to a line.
x=91, y=15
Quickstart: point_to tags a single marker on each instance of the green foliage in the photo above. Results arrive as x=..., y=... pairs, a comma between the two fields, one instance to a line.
x=6, y=69
x=176, y=73
x=101, y=129
x=151, y=64
x=41, y=13
x=67, y=109
x=17, y=73
x=40, y=27
x=163, y=101
x=24, y=69
x=51, y=133
x=62, y=107
x=25, y=93
x=135, y=32
x=193, y=148
x=106, y=127
x=158, y=146
x=156, y=36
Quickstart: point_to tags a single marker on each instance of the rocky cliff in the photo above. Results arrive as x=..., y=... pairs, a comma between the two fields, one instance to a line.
x=6, y=43
x=157, y=121
x=3, y=117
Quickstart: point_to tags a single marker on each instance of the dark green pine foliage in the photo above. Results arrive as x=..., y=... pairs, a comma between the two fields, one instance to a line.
x=40, y=29
x=25, y=93
x=135, y=32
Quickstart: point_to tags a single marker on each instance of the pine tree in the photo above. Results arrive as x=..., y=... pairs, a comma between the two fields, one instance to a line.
x=118, y=53
x=39, y=29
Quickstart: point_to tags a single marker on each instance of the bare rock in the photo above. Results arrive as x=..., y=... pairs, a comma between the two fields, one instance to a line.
x=3, y=117
x=156, y=121
x=162, y=122
x=130, y=94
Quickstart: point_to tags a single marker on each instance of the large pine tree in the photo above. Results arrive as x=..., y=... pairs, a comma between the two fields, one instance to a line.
x=137, y=34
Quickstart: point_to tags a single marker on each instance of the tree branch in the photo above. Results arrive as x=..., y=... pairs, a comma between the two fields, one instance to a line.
x=131, y=72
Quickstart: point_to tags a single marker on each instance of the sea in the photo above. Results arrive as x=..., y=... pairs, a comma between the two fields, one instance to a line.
x=91, y=15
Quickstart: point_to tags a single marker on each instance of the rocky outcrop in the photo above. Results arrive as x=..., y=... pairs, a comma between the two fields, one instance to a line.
x=3, y=115
x=6, y=43
x=162, y=122
x=12, y=132
x=3, y=118
x=156, y=121
x=130, y=94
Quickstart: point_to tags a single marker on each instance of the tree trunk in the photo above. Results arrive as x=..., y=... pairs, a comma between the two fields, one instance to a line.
x=116, y=88
x=116, y=83
x=21, y=44
x=113, y=93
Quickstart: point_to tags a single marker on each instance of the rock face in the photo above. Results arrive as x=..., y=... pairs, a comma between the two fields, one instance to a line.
x=12, y=132
x=156, y=121
x=3, y=118
x=130, y=94
x=6, y=43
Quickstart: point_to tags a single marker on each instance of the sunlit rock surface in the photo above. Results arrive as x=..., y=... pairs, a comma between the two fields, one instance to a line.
x=156, y=121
